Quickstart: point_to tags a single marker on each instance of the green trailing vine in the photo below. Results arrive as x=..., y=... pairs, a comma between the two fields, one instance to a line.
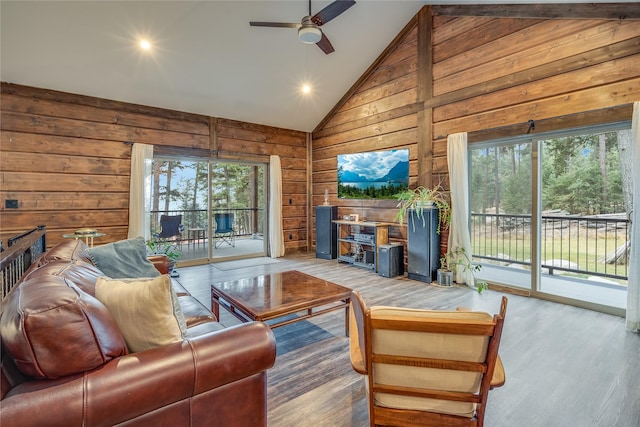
x=421, y=198
x=458, y=258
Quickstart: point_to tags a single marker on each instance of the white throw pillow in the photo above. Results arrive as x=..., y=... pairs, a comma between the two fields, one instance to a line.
x=146, y=310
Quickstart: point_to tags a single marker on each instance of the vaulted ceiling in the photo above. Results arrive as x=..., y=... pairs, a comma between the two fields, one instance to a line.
x=204, y=56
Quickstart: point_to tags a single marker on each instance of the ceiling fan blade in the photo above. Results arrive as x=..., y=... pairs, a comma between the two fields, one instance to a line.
x=331, y=11
x=274, y=24
x=325, y=45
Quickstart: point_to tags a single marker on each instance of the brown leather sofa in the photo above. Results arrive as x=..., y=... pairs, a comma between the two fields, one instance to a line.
x=79, y=373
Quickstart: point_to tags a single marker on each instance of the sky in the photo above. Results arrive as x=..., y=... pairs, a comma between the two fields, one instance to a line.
x=373, y=164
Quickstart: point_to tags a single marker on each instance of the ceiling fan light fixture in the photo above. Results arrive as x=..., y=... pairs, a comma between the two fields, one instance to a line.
x=309, y=31
x=310, y=35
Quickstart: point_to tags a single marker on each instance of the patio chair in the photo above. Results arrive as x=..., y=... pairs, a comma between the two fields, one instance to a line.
x=225, y=231
x=426, y=368
x=171, y=229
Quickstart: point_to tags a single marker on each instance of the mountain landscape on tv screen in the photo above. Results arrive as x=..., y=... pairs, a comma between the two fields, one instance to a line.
x=373, y=175
x=399, y=173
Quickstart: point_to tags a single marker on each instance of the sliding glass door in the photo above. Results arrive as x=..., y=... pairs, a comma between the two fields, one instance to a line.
x=584, y=223
x=550, y=214
x=179, y=206
x=501, y=208
x=238, y=196
x=209, y=211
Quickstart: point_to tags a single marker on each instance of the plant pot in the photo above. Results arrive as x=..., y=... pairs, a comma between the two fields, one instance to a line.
x=445, y=278
x=172, y=271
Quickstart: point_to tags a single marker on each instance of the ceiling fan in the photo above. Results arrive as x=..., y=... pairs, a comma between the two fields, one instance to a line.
x=309, y=28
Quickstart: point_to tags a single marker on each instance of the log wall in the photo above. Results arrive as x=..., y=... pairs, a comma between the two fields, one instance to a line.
x=379, y=113
x=482, y=72
x=236, y=139
x=66, y=159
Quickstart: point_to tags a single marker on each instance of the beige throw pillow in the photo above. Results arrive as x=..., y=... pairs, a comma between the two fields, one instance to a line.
x=146, y=310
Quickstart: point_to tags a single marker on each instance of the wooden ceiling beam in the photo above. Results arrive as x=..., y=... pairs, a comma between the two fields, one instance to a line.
x=613, y=11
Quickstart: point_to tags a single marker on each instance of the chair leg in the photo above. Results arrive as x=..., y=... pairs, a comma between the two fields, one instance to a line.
x=220, y=239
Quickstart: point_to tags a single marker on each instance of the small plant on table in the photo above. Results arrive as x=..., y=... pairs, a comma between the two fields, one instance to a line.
x=166, y=248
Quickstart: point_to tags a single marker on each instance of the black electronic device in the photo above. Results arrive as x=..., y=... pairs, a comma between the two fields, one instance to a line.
x=364, y=238
x=326, y=235
x=391, y=260
x=423, y=246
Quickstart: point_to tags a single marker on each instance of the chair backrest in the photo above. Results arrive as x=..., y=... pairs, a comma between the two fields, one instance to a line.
x=224, y=222
x=425, y=367
x=170, y=226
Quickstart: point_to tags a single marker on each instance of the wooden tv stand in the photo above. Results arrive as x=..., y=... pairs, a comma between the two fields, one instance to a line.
x=358, y=242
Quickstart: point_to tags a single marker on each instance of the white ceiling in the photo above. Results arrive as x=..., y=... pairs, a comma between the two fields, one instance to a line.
x=205, y=59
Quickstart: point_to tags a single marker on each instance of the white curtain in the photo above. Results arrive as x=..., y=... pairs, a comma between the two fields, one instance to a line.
x=141, y=158
x=276, y=235
x=633, y=289
x=459, y=182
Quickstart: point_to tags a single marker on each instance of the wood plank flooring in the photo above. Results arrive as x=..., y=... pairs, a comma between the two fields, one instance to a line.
x=565, y=366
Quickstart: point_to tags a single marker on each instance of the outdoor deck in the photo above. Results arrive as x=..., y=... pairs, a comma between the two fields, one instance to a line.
x=245, y=246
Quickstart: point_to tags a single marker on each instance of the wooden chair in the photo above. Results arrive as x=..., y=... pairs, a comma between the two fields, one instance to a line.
x=426, y=368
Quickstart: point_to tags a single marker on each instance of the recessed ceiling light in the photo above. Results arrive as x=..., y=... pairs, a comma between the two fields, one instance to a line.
x=144, y=44
x=306, y=89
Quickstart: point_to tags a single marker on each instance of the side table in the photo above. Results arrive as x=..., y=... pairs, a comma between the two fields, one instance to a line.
x=88, y=238
x=195, y=235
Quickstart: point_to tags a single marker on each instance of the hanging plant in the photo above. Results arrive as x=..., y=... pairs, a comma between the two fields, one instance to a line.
x=421, y=198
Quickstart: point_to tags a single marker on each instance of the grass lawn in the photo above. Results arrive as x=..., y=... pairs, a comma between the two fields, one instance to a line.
x=585, y=247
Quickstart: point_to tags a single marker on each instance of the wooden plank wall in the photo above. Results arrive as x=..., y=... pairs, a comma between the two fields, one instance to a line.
x=235, y=139
x=489, y=75
x=66, y=159
x=380, y=114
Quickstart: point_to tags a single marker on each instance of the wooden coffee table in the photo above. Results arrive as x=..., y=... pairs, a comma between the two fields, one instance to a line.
x=276, y=295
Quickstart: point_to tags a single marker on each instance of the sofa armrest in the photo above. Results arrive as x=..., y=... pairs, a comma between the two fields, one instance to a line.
x=160, y=262
x=136, y=384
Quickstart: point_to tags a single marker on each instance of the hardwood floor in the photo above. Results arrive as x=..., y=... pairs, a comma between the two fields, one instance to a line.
x=565, y=366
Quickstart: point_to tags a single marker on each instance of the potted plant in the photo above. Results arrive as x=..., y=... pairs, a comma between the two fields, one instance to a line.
x=445, y=274
x=421, y=198
x=166, y=248
x=426, y=212
x=452, y=261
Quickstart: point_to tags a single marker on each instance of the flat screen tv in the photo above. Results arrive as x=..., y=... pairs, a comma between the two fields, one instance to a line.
x=373, y=175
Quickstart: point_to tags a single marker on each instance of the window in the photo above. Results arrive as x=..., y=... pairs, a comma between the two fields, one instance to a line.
x=553, y=211
x=196, y=191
